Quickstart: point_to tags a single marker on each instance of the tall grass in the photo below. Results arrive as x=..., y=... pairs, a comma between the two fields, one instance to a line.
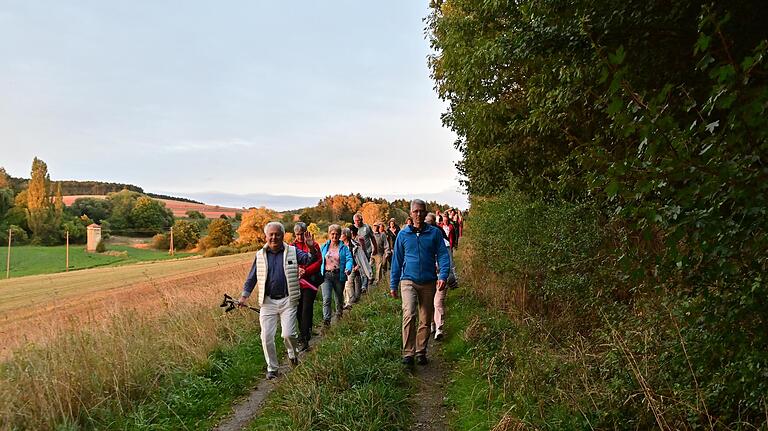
x=92, y=376
x=352, y=381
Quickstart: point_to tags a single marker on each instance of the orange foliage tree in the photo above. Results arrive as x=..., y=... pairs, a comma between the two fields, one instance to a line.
x=373, y=212
x=251, y=228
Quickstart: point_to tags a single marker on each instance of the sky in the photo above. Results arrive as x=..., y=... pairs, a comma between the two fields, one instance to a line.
x=233, y=101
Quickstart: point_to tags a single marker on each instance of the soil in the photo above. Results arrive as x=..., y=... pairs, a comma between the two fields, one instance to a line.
x=430, y=412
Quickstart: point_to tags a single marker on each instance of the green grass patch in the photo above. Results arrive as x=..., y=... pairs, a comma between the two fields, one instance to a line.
x=353, y=380
x=32, y=260
x=503, y=374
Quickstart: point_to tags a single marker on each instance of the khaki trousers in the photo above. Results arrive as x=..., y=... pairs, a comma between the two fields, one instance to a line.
x=417, y=298
x=379, y=264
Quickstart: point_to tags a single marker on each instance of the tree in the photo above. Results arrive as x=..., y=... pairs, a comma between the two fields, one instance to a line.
x=122, y=204
x=251, y=230
x=39, y=208
x=5, y=181
x=150, y=216
x=96, y=209
x=6, y=201
x=373, y=212
x=194, y=214
x=220, y=233
x=58, y=206
x=185, y=234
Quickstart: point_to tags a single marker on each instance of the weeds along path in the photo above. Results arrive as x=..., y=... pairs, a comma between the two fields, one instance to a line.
x=34, y=308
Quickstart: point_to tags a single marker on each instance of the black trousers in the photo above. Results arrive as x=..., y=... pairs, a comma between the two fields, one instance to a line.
x=304, y=314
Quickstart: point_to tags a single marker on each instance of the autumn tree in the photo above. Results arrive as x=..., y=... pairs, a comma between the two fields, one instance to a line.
x=185, y=234
x=251, y=229
x=5, y=181
x=58, y=206
x=39, y=208
x=220, y=233
x=373, y=212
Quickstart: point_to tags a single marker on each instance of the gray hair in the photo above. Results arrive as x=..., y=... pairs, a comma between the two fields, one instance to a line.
x=418, y=202
x=274, y=223
x=357, y=215
x=335, y=227
x=347, y=232
x=300, y=225
x=433, y=216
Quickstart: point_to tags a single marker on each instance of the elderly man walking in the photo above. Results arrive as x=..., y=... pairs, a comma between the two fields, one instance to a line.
x=365, y=232
x=379, y=260
x=275, y=271
x=419, y=250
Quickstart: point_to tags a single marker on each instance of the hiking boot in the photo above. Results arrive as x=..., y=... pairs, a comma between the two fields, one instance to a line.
x=294, y=362
x=271, y=375
x=439, y=335
x=303, y=346
x=421, y=359
x=327, y=322
x=408, y=360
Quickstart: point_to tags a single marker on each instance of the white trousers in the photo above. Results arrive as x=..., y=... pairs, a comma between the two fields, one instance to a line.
x=272, y=311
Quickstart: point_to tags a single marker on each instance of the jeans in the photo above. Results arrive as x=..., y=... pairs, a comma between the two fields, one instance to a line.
x=332, y=286
x=363, y=285
x=305, y=312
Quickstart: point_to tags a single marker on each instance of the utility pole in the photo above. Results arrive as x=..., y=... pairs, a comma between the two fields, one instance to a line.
x=67, y=270
x=171, y=250
x=8, y=262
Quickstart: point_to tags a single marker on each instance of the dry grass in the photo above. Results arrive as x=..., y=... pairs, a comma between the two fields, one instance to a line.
x=109, y=349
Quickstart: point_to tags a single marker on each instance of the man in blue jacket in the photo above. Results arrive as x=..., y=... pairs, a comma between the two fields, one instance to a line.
x=420, y=265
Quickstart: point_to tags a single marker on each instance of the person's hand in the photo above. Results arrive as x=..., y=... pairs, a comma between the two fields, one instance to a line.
x=441, y=285
x=393, y=293
x=302, y=271
x=309, y=239
x=242, y=301
x=355, y=268
x=347, y=272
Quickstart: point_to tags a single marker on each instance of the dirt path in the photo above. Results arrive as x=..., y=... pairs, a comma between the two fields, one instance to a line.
x=430, y=412
x=249, y=407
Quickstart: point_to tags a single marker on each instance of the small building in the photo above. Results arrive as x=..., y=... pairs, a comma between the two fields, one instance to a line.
x=94, y=237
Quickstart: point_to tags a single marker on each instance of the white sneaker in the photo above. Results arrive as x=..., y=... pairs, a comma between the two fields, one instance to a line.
x=438, y=334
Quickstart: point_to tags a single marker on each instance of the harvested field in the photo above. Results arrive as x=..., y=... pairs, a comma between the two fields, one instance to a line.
x=35, y=308
x=179, y=208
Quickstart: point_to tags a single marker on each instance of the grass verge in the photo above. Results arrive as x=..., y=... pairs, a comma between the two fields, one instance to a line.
x=353, y=380
x=31, y=260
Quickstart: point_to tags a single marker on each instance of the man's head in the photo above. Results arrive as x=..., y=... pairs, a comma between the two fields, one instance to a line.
x=298, y=231
x=418, y=212
x=431, y=218
x=274, y=231
x=358, y=219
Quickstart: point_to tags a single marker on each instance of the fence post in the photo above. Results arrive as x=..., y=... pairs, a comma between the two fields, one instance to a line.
x=8, y=262
x=171, y=250
x=67, y=270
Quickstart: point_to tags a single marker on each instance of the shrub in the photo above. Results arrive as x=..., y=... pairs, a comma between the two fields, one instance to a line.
x=161, y=241
x=185, y=234
x=101, y=247
x=220, y=233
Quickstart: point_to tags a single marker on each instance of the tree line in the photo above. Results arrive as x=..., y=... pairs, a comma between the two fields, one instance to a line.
x=615, y=155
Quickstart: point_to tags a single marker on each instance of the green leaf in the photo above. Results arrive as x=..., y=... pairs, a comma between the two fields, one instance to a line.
x=612, y=189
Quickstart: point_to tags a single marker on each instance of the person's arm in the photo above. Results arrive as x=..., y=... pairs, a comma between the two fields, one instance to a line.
x=250, y=283
x=348, y=263
x=443, y=261
x=304, y=258
x=387, y=250
x=314, y=267
x=373, y=240
x=397, y=263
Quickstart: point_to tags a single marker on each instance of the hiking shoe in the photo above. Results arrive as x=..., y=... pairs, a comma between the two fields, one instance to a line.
x=271, y=375
x=408, y=360
x=303, y=346
x=422, y=359
x=439, y=335
x=327, y=322
x=294, y=362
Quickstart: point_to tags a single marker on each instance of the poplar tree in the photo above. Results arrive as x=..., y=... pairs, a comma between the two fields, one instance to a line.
x=58, y=206
x=39, y=209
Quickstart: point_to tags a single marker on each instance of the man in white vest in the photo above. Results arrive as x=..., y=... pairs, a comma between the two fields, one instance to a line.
x=275, y=271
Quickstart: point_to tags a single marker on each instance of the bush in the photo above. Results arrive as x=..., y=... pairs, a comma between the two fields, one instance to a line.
x=220, y=233
x=224, y=250
x=18, y=235
x=161, y=241
x=101, y=247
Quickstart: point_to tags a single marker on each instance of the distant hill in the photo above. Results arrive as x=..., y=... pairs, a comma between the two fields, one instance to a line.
x=178, y=207
x=96, y=188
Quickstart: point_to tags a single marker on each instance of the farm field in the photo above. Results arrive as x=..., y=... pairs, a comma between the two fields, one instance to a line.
x=35, y=306
x=179, y=208
x=101, y=343
x=31, y=260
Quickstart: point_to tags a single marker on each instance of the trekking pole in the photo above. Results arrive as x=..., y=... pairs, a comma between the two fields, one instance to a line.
x=231, y=303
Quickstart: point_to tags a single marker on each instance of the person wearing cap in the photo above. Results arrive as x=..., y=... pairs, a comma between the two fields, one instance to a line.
x=379, y=260
x=275, y=271
x=419, y=250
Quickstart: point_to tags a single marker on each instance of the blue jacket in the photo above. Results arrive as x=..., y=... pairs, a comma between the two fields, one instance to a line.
x=345, y=259
x=416, y=256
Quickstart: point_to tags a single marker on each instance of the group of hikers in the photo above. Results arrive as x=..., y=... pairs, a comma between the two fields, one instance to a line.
x=416, y=260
